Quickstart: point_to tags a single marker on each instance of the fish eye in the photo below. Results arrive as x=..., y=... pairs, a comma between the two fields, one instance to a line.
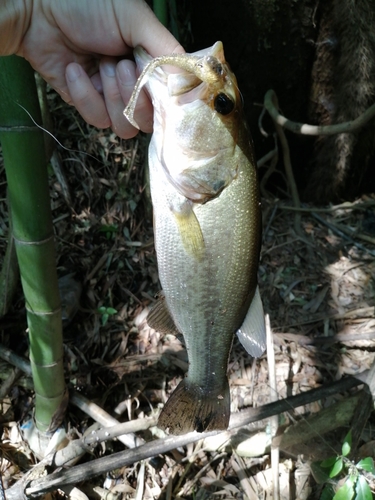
x=223, y=104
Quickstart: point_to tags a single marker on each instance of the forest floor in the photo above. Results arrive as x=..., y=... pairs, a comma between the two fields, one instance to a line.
x=317, y=288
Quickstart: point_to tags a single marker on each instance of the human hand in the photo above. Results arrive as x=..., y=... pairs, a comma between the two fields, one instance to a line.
x=80, y=49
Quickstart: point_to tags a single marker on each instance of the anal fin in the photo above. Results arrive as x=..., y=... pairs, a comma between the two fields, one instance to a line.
x=252, y=333
x=159, y=318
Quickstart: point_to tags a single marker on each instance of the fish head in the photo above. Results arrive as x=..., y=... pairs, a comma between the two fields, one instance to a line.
x=198, y=119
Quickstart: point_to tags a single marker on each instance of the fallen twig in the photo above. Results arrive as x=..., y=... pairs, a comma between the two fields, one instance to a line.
x=342, y=206
x=355, y=234
x=287, y=162
x=353, y=412
x=362, y=312
x=127, y=457
x=339, y=337
x=274, y=421
x=342, y=234
x=7, y=384
x=99, y=415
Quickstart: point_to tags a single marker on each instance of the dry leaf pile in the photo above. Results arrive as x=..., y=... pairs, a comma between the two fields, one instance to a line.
x=318, y=291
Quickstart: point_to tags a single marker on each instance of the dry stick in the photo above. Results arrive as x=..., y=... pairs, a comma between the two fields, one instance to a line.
x=304, y=340
x=270, y=170
x=342, y=234
x=274, y=421
x=104, y=418
x=371, y=380
x=302, y=128
x=271, y=103
x=190, y=483
x=77, y=447
x=267, y=157
x=7, y=384
x=73, y=450
x=362, y=414
x=117, y=460
x=353, y=233
x=15, y=360
x=140, y=482
x=342, y=206
x=239, y=468
x=362, y=312
x=2, y=492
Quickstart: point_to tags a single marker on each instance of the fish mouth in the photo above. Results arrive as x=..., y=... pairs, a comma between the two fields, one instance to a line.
x=204, y=71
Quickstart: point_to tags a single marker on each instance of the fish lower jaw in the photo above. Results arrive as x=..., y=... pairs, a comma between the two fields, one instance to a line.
x=192, y=408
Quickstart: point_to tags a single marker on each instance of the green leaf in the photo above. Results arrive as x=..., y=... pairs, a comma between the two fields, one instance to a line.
x=320, y=474
x=111, y=311
x=367, y=464
x=362, y=490
x=337, y=467
x=105, y=319
x=327, y=493
x=346, y=492
x=109, y=194
x=108, y=228
x=328, y=462
x=347, y=444
x=132, y=205
x=102, y=309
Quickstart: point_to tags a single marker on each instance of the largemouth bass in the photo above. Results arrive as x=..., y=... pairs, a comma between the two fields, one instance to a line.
x=207, y=225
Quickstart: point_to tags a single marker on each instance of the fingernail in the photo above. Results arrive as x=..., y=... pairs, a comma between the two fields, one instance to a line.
x=73, y=72
x=109, y=69
x=126, y=75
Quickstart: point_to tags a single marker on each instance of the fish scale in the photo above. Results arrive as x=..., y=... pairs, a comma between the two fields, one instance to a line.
x=207, y=226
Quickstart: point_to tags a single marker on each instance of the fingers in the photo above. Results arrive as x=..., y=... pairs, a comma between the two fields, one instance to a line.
x=118, y=82
x=113, y=99
x=101, y=99
x=85, y=97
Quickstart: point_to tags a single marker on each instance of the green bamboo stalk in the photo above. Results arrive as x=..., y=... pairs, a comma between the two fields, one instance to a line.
x=26, y=171
x=9, y=273
x=160, y=8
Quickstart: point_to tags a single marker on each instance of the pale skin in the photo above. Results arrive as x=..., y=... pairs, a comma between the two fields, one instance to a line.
x=83, y=49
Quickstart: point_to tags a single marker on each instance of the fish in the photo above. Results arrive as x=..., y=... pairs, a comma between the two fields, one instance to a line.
x=207, y=226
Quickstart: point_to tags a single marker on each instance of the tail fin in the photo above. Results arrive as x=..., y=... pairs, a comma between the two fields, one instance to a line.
x=190, y=408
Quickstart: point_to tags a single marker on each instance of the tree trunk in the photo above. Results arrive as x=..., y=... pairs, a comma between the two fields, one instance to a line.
x=343, y=87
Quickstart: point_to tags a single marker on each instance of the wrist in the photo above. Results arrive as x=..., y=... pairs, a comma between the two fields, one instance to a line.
x=14, y=21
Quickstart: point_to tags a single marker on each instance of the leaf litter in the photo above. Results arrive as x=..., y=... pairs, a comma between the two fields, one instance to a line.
x=318, y=292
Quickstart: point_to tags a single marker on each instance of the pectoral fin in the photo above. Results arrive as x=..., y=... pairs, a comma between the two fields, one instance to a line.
x=160, y=318
x=190, y=230
x=252, y=333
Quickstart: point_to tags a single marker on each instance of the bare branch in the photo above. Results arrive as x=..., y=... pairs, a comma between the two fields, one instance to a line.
x=270, y=103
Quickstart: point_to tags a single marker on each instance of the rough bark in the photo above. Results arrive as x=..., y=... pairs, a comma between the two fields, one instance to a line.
x=343, y=87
